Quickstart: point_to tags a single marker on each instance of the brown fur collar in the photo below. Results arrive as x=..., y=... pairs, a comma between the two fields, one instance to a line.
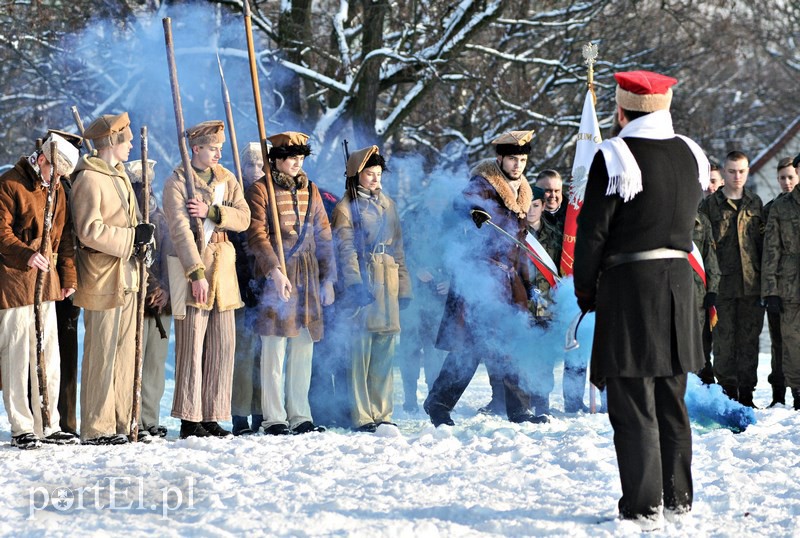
x=287, y=182
x=489, y=170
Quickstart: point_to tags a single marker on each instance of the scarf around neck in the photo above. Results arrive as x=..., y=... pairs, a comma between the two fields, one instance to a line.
x=624, y=174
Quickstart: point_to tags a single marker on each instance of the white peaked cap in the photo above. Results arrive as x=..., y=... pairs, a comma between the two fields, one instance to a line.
x=67, y=155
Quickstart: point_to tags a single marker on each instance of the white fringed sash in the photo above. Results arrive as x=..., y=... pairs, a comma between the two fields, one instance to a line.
x=624, y=174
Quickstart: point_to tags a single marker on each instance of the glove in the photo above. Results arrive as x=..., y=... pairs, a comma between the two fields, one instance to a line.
x=358, y=295
x=479, y=216
x=709, y=300
x=404, y=302
x=143, y=233
x=774, y=304
x=585, y=303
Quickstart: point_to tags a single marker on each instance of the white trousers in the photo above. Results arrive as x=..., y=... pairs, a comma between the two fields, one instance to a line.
x=292, y=388
x=18, y=363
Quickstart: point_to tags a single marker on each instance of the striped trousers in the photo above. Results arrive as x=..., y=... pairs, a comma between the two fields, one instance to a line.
x=205, y=341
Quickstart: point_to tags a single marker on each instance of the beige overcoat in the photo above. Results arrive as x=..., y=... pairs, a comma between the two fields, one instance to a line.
x=104, y=215
x=219, y=257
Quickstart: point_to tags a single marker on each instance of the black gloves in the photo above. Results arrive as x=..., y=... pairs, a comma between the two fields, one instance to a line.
x=773, y=304
x=479, y=216
x=359, y=295
x=709, y=300
x=404, y=302
x=143, y=233
x=585, y=303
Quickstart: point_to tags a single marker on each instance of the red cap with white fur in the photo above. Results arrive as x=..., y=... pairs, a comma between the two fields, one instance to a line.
x=644, y=91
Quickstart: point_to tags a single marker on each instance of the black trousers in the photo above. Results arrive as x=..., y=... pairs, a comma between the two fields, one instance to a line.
x=776, y=378
x=458, y=370
x=328, y=393
x=67, y=320
x=653, y=441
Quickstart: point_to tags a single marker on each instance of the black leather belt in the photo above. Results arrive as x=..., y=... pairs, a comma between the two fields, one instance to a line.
x=644, y=255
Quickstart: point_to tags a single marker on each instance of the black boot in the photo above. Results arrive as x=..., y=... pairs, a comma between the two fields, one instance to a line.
x=439, y=414
x=778, y=395
x=192, y=429
x=746, y=397
x=240, y=426
x=215, y=429
x=731, y=391
x=796, y=396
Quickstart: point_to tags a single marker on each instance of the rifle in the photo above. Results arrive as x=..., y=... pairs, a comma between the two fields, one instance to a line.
x=262, y=136
x=176, y=100
x=79, y=124
x=38, y=291
x=137, y=371
x=226, y=100
x=355, y=214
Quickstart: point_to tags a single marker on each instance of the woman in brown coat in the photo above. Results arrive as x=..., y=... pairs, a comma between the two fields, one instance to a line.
x=369, y=243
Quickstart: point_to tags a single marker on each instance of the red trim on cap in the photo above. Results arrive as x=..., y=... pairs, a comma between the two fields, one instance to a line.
x=644, y=82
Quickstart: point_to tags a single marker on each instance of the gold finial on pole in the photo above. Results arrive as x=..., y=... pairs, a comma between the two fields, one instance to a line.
x=590, y=57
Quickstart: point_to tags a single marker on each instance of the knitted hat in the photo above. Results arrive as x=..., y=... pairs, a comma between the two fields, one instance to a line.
x=67, y=155
x=108, y=130
x=513, y=143
x=289, y=144
x=644, y=91
x=206, y=132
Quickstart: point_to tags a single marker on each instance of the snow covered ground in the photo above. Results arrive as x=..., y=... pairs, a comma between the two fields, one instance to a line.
x=483, y=477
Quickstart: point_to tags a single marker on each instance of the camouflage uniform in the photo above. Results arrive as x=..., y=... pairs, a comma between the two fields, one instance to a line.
x=776, y=378
x=738, y=230
x=705, y=294
x=781, y=277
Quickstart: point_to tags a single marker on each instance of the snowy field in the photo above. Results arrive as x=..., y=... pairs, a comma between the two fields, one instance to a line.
x=483, y=477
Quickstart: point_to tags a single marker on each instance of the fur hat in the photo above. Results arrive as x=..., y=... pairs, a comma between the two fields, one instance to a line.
x=644, y=91
x=134, y=169
x=513, y=143
x=108, y=130
x=206, y=132
x=289, y=144
x=67, y=154
x=359, y=159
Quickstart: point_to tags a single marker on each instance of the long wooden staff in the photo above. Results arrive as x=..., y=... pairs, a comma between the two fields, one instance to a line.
x=176, y=99
x=79, y=123
x=226, y=100
x=38, y=291
x=262, y=135
x=137, y=372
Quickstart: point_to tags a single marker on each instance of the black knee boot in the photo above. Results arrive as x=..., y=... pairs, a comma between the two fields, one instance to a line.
x=778, y=395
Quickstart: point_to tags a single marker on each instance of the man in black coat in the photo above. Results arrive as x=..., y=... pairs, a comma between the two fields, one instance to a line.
x=631, y=266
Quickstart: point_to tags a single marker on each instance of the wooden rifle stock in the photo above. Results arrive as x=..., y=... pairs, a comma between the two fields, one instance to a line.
x=262, y=136
x=176, y=100
x=38, y=290
x=226, y=100
x=140, y=299
x=79, y=123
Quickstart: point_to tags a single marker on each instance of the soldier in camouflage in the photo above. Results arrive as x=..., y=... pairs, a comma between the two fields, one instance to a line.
x=780, y=282
x=706, y=292
x=737, y=225
x=787, y=179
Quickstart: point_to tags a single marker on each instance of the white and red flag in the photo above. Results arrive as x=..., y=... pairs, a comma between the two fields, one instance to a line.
x=585, y=148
